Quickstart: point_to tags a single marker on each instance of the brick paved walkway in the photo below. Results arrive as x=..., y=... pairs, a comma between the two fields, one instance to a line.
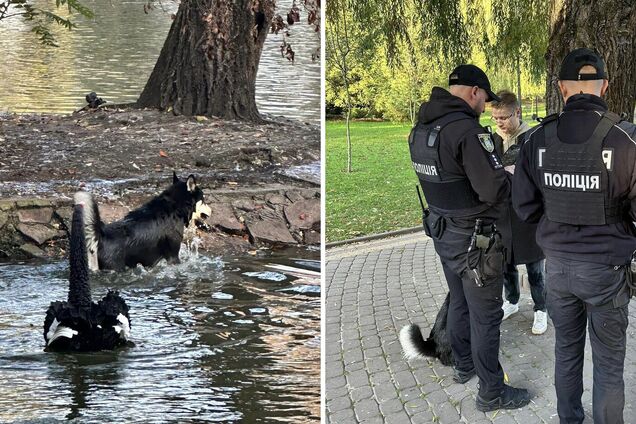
x=375, y=288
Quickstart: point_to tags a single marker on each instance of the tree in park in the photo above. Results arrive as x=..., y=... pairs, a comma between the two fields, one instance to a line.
x=609, y=27
x=340, y=48
x=354, y=27
x=209, y=61
x=513, y=32
x=516, y=37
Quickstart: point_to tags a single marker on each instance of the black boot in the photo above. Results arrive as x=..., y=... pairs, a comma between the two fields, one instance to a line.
x=462, y=377
x=509, y=398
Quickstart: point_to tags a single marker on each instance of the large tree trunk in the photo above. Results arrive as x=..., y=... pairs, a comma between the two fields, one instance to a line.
x=604, y=25
x=209, y=61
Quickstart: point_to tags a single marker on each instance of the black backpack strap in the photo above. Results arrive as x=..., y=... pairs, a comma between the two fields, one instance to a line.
x=431, y=140
x=548, y=118
x=549, y=124
x=607, y=121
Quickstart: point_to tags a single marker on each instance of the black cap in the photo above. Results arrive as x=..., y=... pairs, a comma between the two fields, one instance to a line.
x=471, y=75
x=576, y=59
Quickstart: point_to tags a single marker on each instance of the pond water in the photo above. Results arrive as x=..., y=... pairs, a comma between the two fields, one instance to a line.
x=114, y=53
x=216, y=340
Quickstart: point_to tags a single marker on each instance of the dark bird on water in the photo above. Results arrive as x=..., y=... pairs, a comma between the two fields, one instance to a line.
x=80, y=324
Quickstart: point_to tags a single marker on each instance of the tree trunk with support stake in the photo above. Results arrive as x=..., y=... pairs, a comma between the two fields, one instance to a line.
x=519, y=99
x=606, y=26
x=209, y=61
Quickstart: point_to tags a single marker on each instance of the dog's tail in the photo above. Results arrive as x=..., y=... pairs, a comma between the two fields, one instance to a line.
x=92, y=227
x=413, y=344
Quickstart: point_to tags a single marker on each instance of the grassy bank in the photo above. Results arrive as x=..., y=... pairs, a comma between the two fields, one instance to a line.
x=379, y=194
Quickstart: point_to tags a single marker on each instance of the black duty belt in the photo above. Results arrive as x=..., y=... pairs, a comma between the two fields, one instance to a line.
x=486, y=230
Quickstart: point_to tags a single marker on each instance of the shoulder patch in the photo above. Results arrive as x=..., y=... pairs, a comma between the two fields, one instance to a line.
x=486, y=142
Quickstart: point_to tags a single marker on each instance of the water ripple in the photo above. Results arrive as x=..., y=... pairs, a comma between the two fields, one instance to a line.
x=251, y=358
x=114, y=53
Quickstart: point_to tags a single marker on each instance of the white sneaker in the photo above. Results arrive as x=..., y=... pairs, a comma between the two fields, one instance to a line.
x=540, y=324
x=509, y=309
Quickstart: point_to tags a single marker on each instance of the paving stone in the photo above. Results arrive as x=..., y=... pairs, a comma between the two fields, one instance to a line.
x=339, y=404
x=373, y=289
x=399, y=417
x=374, y=420
x=447, y=413
x=361, y=392
x=358, y=378
x=366, y=409
x=335, y=382
x=391, y=406
x=404, y=380
x=342, y=417
x=424, y=417
x=336, y=392
x=384, y=392
x=417, y=406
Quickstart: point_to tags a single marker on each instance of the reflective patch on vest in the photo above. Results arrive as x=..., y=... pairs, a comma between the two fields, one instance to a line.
x=486, y=142
x=427, y=171
x=572, y=182
x=540, y=153
x=608, y=156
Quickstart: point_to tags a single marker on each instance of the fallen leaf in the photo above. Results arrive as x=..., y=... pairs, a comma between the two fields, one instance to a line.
x=232, y=183
x=200, y=118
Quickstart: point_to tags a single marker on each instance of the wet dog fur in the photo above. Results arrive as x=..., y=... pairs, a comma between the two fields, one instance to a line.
x=436, y=345
x=148, y=234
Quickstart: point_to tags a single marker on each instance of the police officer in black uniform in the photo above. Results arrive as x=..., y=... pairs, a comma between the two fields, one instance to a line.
x=576, y=176
x=466, y=189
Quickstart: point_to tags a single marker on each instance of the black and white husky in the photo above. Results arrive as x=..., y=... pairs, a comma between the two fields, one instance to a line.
x=148, y=234
x=436, y=345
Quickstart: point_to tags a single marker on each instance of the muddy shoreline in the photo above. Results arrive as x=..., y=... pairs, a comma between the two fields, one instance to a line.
x=261, y=180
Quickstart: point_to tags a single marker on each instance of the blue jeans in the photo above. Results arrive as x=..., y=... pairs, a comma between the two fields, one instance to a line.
x=536, y=278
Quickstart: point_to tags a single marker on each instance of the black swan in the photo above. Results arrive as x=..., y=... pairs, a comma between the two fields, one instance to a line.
x=81, y=324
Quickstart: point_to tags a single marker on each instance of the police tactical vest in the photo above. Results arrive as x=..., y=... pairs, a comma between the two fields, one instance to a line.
x=574, y=177
x=450, y=194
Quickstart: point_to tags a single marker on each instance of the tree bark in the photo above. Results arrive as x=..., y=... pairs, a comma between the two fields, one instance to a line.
x=606, y=26
x=209, y=61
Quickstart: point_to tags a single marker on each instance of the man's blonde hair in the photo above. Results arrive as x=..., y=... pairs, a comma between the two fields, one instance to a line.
x=508, y=100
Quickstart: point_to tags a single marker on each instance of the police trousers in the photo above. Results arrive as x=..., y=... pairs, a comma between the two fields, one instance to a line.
x=474, y=315
x=581, y=294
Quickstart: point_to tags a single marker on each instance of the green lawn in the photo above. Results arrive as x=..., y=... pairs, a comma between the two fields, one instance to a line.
x=379, y=195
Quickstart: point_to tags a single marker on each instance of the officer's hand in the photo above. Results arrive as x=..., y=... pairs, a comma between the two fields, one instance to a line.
x=510, y=169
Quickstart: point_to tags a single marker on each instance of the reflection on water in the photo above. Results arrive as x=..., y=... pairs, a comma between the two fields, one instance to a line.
x=210, y=345
x=114, y=53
